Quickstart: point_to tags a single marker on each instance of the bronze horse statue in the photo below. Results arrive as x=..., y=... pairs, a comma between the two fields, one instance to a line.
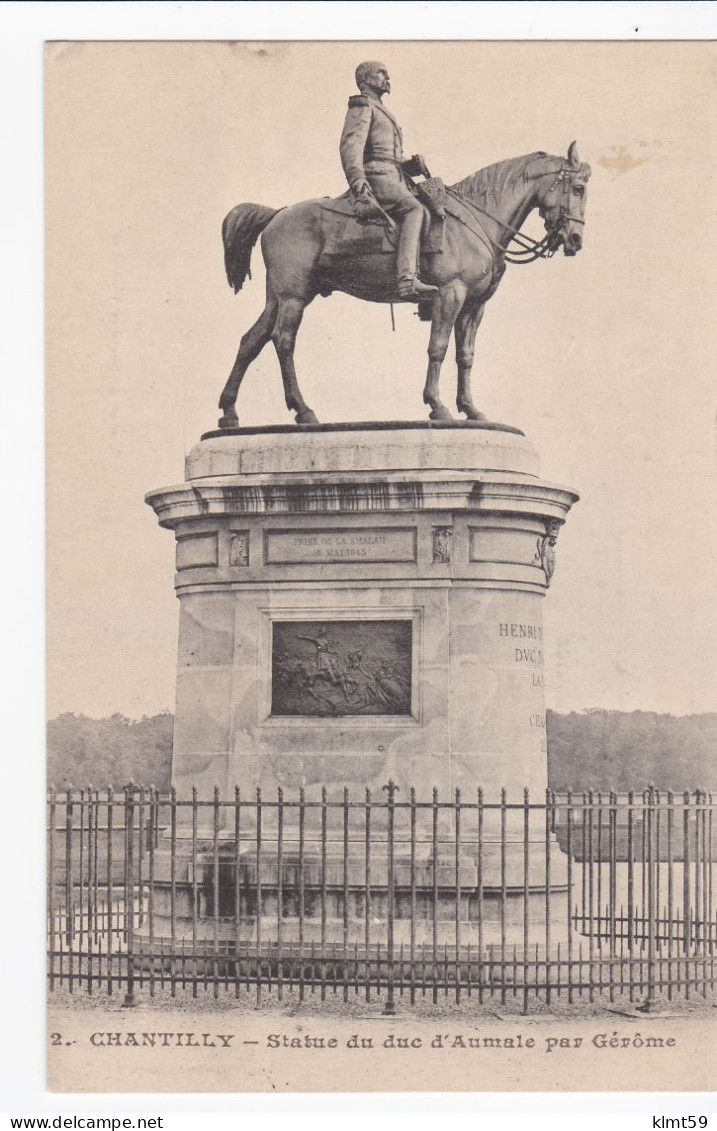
x=484, y=214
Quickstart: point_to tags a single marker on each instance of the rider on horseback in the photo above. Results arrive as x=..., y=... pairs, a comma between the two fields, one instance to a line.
x=372, y=158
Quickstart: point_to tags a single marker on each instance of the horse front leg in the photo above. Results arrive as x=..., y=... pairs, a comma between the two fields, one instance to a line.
x=467, y=325
x=291, y=311
x=446, y=306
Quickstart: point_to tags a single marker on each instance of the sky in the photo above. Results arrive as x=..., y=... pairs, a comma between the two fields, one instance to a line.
x=606, y=360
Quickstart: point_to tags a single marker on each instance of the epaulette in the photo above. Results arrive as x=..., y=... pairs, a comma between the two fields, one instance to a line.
x=357, y=100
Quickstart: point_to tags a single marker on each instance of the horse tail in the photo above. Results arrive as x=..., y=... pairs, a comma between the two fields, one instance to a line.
x=240, y=231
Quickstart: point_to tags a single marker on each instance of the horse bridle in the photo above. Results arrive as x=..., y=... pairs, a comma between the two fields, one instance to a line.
x=564, y=214
x=530, y=249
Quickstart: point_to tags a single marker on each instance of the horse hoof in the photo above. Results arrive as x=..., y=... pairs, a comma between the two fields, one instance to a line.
x=440, y=412
x=472, y=413
x=229, y=420
x=307, y=417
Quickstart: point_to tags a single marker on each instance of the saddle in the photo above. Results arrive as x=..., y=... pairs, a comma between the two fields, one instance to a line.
x=351, y=238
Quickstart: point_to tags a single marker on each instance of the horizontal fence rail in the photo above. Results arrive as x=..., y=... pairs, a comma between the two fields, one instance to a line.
x=575, y=896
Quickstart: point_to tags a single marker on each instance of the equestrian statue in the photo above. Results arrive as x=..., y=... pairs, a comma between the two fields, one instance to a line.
x=393, y=239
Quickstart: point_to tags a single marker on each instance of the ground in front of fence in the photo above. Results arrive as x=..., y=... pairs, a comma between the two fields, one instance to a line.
x=421, y=1005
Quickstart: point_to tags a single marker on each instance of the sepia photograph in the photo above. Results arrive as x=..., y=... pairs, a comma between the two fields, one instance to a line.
x=381, y=700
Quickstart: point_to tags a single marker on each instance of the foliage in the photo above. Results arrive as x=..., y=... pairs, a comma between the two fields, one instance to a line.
x=114, y=750
x=592, y=749
x=630, y=749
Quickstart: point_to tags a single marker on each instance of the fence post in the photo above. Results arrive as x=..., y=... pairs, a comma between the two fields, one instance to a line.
x=110, y=896
x=367, y=893
x=698, y=861
x=457, y=897
x=526, y=898
x=549, y=828
x=707, y=846
x=215, y=893
x=259, y=897
x=237, y=891
x=69, y=911
x=195, y=888
x=481, y=967
x=503, y=890
x=280, y=892
x=151, y=847
x=51, y=888
x=346, y=891
x=650, y=1004
x=389, y=1008
x=686, y=909
x=571, y=923
x=129, y=1000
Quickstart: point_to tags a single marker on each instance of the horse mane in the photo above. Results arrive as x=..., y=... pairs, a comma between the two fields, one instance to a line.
x=494, y=181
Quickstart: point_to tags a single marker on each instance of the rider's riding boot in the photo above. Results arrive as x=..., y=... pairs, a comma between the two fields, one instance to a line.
x=411, y=287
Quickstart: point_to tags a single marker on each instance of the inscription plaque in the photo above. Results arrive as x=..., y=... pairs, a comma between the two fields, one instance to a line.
x=349, y=545
x=333, y=668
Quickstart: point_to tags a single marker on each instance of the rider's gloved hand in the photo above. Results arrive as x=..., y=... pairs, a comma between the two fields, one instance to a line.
x=367, y=208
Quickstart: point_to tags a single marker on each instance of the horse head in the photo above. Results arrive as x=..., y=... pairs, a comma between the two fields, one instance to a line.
x=561, y=196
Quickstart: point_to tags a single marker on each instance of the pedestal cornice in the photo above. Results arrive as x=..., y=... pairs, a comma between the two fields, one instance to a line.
x=479, y=491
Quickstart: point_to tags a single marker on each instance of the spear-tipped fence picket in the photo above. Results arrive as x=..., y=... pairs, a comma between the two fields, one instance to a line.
x=575, y=896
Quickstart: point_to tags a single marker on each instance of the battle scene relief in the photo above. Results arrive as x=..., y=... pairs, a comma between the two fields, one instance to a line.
x=334, y=668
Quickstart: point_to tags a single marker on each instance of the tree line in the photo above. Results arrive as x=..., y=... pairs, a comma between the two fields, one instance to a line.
x=592, y=749
x=112, y=751
x=621, y=750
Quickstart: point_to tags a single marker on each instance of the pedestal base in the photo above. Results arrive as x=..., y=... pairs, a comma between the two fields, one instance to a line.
x=326, y=900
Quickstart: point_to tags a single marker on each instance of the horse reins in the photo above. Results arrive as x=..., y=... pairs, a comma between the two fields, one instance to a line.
x=530, y=249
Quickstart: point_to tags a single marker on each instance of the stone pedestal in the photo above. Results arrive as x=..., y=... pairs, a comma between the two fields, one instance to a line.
x=361, y=603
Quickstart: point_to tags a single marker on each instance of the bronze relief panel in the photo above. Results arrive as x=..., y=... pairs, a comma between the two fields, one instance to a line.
x=334, y=668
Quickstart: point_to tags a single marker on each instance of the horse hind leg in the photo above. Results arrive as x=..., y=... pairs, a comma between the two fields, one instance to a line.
x=250, y=347
x=291, y=311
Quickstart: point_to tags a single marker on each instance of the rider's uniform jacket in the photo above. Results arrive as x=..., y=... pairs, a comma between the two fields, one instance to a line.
x=371, y=137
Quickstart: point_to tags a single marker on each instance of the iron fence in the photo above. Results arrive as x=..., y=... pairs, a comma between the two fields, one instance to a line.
x=575, y=896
